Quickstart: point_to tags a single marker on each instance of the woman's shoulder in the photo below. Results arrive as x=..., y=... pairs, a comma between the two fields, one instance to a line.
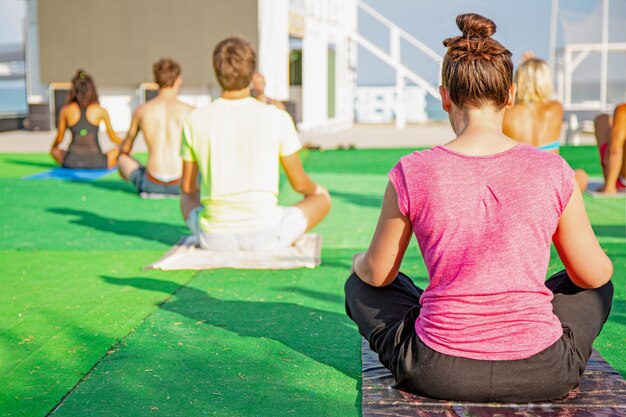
x=96, y=112
x=553, y=106
x=70, y=107
x=540, y=159
x=419, y=160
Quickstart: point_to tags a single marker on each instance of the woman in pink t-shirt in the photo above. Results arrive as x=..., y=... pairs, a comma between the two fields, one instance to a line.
x=484, y=209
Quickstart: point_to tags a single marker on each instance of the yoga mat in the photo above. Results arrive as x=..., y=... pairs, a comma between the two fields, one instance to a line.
x=595, y=183
x=602, y=392
x=70, y=174
x=304, y=253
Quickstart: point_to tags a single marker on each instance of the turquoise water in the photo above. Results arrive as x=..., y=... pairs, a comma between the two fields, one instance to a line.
x=13, y=99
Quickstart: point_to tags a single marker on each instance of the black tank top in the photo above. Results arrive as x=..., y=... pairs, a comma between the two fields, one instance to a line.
x=84, y=136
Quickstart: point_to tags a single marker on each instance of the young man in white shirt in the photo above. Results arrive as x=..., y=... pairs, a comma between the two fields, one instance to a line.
x=236, y=144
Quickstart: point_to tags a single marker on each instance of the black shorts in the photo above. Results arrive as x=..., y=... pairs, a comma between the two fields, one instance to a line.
x=143, y=184
x=386, y=317
x=85, y=161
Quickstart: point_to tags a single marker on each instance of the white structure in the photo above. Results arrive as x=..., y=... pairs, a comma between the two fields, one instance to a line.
x=325, y=94
x=323, y=28
x=592, y=49
x=307, y=50
x=393, y=58
x=378, y=104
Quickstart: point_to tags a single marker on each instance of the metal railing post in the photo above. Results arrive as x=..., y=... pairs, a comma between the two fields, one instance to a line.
x=394, y=52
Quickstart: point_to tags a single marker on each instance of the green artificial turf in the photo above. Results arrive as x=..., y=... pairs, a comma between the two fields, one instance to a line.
x=583, y=157
x=80, y=316
x=17, y=165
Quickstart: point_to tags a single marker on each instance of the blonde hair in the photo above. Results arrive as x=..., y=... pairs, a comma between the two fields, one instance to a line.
x=534, y=82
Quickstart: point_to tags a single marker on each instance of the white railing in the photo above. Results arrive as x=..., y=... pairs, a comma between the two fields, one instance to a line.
x=393, y=58
x=573, y=56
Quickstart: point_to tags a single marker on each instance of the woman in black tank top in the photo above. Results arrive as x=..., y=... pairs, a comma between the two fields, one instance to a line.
x=84, y=150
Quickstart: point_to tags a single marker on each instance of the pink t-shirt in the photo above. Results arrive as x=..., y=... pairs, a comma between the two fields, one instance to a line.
x=484, y=225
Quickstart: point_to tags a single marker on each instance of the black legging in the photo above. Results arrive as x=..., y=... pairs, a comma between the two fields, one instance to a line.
x=386, y=317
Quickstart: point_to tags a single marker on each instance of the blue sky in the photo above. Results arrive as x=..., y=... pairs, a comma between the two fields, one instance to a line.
x=11, y=13
x=522, y=25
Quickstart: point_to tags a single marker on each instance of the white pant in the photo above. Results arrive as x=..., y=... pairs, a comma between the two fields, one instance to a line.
x=292, y=225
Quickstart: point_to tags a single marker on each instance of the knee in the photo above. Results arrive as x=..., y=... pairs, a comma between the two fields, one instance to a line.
x=326, y=201
x=607, y=291
x=123, y=158
x=601, y=120
x=351, y=284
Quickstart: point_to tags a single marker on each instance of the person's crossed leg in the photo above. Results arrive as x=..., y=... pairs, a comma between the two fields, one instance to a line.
x=610, y=135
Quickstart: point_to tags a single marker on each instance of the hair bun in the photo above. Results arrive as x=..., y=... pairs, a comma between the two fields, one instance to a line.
x=475, y=25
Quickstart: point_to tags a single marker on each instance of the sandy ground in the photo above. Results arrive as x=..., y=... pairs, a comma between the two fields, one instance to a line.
x=359, y=136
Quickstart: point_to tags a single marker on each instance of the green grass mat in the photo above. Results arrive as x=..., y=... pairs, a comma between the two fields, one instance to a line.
x=59, y=318
x=583, y=157
x=18, y=165
x=233, y=343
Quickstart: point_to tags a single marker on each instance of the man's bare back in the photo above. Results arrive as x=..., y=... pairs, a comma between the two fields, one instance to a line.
x=161, y=121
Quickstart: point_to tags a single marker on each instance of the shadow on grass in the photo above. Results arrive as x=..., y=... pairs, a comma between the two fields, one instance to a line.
x=618, y=317
x=359, y=199
x=110, y=185
x=152, y=231
x=613, y=230
x=318, y=334
x=316, y=295
x=23, y=162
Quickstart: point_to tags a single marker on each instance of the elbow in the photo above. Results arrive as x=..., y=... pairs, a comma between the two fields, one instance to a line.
x=187, y=190
x=378, y=278
x=378, y=283
x=299, y=189
x=302, y=187
x=606, y=272
x=601, y=276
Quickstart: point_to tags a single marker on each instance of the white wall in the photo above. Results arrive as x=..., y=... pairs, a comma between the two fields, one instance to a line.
x=121, y=104
x=327, y=22
x=37, y=91
x=273, y=54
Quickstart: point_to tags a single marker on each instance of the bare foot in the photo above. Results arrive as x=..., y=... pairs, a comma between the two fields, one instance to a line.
x=608, y=189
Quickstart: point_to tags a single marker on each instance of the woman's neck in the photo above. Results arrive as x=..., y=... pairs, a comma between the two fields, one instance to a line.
x=470, y=120
x=478, y=131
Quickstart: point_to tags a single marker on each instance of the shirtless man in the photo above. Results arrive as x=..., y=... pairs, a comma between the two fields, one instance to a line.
x=611, y=137
x=161, y=121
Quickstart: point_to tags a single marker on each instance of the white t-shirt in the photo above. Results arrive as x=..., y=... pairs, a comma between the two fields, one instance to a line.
x=236, y=145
